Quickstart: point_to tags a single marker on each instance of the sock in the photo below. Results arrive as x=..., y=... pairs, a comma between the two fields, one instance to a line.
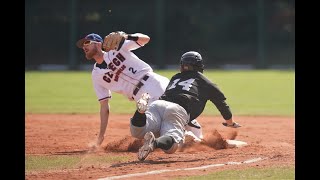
x=164, y=142
x=139, y=119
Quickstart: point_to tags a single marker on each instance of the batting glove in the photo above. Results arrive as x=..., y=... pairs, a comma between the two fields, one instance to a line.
x=234, y=125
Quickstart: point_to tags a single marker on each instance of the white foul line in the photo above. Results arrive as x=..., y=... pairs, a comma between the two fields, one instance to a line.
x=181, y=169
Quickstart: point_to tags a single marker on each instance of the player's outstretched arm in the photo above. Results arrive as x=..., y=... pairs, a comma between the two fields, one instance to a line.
x=140, y=38
x=104, y=117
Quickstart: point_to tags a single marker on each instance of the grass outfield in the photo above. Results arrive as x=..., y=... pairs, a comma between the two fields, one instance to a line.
x=253, y=92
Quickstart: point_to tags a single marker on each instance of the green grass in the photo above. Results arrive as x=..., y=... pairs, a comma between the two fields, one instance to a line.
x=274, y=173
x=44, y=163
x=256, y=92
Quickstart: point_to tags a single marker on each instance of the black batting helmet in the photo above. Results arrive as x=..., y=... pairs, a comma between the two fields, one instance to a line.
x=193, y=60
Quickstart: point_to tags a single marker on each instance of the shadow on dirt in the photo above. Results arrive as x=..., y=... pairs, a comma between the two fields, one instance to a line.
x=71, y=152
x=153, y=162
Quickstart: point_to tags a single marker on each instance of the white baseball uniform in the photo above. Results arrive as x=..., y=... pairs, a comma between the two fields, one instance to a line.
x=126, y=74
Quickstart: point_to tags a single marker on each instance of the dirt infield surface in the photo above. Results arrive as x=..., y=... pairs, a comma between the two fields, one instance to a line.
x=269, y=138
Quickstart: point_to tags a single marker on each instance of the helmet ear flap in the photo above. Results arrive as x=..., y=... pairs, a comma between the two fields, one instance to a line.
x=200, y=69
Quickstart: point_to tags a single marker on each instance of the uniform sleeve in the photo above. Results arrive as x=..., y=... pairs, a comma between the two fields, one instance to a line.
x=130, y=45
x=101, y=92
x=219, y=100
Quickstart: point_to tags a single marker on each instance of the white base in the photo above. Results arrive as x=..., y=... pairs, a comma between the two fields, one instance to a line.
x=235, y=143
x=195, y=138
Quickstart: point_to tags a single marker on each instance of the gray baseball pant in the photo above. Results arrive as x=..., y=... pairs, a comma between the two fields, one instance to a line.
x=163, y=118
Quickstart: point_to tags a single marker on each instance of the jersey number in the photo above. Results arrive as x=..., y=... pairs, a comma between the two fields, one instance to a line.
x=186, y=85
x=132, y=70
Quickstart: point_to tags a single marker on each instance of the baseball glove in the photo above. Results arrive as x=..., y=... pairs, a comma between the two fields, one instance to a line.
x=114, y=41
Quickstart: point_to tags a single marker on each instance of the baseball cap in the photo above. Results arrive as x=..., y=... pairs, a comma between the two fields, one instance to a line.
x=91, y=37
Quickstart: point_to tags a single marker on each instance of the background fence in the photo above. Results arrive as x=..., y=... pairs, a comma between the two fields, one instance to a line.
x=259, y=33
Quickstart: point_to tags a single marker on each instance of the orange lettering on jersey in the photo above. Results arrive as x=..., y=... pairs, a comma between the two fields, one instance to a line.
x=120, y=57
x=112, y=67
x=105, y=78
x=116, y=61
x=116, y=78
x=109, y=74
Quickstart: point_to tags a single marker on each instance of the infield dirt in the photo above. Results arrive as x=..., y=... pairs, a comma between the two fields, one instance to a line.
x=268, y=137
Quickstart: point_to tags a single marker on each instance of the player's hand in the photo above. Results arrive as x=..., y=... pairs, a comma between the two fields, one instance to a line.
x=233, y=125
x=93, y=147
x=99, y=141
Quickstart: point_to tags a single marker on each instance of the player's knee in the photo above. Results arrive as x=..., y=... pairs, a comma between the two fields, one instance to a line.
x=167, y=144
x=173, y=149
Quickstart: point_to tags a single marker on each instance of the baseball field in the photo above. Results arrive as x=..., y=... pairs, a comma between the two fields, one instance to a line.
x=62, y=121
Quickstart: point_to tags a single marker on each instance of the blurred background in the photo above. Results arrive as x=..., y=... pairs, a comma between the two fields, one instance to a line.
x=252, y=34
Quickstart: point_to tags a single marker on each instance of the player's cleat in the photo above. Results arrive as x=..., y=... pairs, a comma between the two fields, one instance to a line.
x=148, y=146
x=142, y=103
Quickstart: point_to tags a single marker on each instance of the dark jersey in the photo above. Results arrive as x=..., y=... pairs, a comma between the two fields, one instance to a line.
x=192, y=90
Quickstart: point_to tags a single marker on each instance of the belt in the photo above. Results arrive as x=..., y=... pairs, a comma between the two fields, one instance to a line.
x=139, y=85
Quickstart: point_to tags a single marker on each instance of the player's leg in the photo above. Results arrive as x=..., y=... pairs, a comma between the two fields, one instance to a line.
x=173, y=120
x=137, y=125
x=173, y=125
x=146, y=118
x=147, y=147
x=166, y=143
x=153, y=117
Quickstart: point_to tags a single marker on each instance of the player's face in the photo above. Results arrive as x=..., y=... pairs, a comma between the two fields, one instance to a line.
x=181, y=68
x=90, y=49
x=184, y=68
